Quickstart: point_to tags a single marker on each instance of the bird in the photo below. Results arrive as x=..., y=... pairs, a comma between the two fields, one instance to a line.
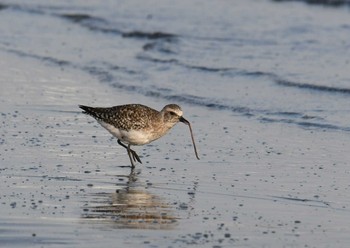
x=137, y=124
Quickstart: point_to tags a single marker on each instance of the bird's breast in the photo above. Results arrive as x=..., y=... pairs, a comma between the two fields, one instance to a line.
x=133, y=137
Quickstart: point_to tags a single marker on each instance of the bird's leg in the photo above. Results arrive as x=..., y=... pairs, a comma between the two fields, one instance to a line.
x=135, y=157
x=129, y=153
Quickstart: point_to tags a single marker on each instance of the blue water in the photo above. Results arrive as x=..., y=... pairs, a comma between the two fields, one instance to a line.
x=276, y=61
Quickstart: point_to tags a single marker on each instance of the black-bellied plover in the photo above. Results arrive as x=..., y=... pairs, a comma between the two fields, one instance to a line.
x=136, y=124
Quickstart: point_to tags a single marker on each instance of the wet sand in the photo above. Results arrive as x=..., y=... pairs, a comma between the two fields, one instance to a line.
x=66, y=183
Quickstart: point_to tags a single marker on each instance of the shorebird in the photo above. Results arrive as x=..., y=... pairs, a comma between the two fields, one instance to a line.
x=136, y=124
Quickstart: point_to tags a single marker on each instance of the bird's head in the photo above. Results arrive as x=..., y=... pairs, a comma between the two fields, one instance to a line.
x=172, y=114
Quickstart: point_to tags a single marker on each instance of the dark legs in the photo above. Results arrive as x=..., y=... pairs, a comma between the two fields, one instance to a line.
x=132, y=153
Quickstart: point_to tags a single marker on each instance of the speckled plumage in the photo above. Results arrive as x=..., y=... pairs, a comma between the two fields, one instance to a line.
x=136, y=124
x=126, y=117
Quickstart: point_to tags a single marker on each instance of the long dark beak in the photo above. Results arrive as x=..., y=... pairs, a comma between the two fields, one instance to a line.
x=183, y=120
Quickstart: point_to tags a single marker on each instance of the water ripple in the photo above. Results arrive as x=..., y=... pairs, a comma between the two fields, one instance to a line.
x=328, y=89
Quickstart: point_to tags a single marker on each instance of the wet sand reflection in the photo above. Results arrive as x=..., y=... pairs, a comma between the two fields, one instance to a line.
x=130, y=206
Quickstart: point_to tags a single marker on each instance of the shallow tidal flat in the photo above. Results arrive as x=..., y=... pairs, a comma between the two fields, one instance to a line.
x=274, y=160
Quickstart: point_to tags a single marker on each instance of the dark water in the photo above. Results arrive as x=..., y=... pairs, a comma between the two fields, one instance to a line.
x=331, y=3
x=266, y=85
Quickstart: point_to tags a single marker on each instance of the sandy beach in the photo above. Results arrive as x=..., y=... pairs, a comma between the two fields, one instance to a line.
x=274, y=160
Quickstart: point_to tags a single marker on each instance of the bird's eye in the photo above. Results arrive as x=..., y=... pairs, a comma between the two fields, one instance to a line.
x=173, y=113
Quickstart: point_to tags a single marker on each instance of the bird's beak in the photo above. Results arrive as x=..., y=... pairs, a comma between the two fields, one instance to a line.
x=183, y=120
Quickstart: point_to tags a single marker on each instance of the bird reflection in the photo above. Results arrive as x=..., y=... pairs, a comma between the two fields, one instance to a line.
x=130, y=206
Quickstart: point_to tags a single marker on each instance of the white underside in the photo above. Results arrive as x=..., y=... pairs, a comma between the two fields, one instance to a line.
x=130, y=137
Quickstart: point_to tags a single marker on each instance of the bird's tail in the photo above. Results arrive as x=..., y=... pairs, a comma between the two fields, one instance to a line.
x=87, y=109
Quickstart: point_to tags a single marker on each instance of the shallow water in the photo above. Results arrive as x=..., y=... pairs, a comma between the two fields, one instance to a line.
x=265, y=85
